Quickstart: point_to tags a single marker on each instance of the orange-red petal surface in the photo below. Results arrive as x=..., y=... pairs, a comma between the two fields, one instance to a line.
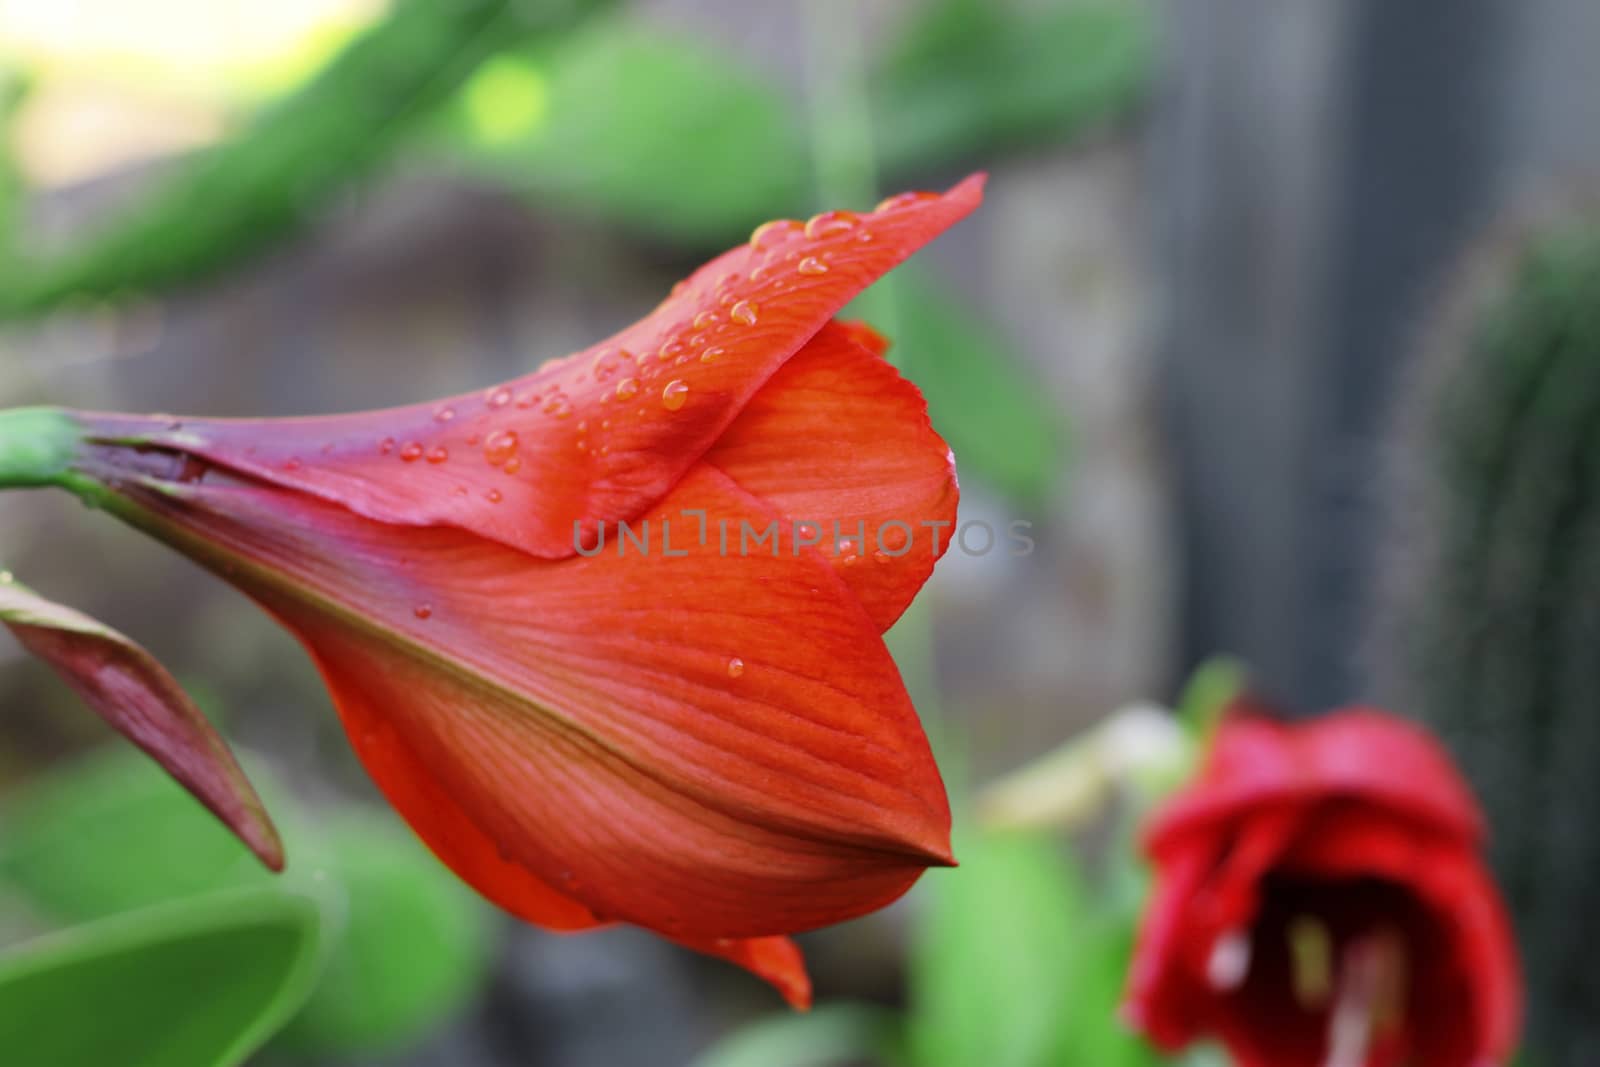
x=601, y=435
x=709, y=746
x=837, y=439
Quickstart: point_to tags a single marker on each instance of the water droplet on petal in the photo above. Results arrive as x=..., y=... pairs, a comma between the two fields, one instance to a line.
x=438, y=454
x=812, y=265
x=557, y=407
x=712, y=354
x=735, y=667
x=500, y=397
x=670, y=351
x=889, y=203
x=444, y=414
x=411, y=452
x=500, y=446
x=493, y=496
x=512, y=465
x=770, y=233
x=423, y=611
x=705, y=319
x=627, y=388
x=743, y=313
x=829, y=223
x=292, y=463
x=386, y=446
x=675, y=394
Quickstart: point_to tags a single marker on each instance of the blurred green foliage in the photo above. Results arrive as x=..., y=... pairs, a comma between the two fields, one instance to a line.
x=406, y=944
x=232, y=200
x=969, y=78
x=997, y=421
x=1018, y=964
x=662, y=134
x=185, y=984
x=1016, y=961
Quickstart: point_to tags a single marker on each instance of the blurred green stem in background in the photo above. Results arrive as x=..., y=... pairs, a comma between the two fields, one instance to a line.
x=232, y=200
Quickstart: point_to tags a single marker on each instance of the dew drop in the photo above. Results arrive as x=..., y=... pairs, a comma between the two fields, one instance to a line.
x=705, y=319
x=675, y=394
x=627, y=389
x=512, y=465
x=812, y=265
x=444, y=414
x=438, y=454
x=500, y=397
x=743, y=313
x=712, y=354
x=386, y=446
x=770, y=233
x=830, y=223
x=493, y=496
x=500, y=446
x=889, y=203
x=292, y=463
x=411, y=452
x=735, y=667
x=423, y=611
x=557, y=407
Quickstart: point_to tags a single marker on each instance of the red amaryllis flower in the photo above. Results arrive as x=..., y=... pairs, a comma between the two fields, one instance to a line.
x=1320, y=901
x=609, y=636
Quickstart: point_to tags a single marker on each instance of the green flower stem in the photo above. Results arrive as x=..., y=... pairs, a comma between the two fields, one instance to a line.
x=37, y=447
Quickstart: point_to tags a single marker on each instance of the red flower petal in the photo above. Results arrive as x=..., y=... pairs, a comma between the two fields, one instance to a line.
x=775, y=959
x=1355, y=841
x=601, y=435
x=1356, y=752
x=127, y=687
x=410, y=786
x=709, y=746
x=838, y=439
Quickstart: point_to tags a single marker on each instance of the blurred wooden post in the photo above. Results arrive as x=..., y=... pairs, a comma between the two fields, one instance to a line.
x=1322, y=166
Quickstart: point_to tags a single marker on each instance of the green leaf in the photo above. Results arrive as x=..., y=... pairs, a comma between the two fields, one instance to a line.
x=996, y=419
x=1017, y=966
x=188, y=984
x=415, y=948
x=408, y=942
x=830, y=1035
x=626, y=123
x=970, y=77
x=111, y=833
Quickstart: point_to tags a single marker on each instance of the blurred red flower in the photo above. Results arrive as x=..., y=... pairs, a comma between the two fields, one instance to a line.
x=1320, y=901
x=691, y=732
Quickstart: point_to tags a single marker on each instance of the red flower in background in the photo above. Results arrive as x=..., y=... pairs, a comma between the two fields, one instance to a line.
x=706, y=739
x=1320, y=901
